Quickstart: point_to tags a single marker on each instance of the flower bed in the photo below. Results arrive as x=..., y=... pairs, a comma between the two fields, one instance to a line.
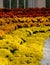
x=22, y=35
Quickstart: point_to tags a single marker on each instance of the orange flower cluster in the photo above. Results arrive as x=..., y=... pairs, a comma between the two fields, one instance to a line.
x=11, y=19
x=10, y=24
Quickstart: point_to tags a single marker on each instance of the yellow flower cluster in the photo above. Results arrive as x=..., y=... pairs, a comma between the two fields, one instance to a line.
x=23, y=46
